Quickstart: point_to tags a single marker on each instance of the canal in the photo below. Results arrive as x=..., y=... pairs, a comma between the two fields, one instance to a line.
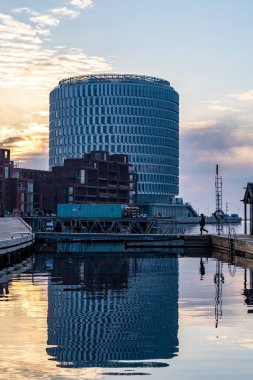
x=101, y=316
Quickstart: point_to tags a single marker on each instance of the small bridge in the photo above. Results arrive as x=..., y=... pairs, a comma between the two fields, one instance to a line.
x=103, y=228
x=134, y=233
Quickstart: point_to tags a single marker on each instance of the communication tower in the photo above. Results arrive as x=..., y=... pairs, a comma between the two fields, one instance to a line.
x=218, y=196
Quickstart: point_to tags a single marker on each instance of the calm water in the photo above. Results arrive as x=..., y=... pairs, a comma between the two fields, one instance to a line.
x=191, y=229
x=74, y=316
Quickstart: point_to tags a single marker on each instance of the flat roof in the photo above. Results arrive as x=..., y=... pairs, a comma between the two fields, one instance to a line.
x=114, y=78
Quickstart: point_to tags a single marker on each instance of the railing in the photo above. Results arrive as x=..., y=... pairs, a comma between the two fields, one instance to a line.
x=125, y=77
x=141, y=226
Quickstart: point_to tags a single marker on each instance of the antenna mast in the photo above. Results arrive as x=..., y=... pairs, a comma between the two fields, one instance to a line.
x=218, y=196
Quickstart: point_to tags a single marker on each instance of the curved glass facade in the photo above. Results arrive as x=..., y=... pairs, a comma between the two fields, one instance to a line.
x=131, y=114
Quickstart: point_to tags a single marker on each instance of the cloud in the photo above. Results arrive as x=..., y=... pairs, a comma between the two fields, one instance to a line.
x=41, y=113
x=244, y=96
x=25, y=10
x=10, y=141
x=222, y=108
x=30, y=141
x=228, y=142
x=217, y=105
x=65, y=12
x=29, y=70
x=13, y=30
x=82, y=3
x=199, y=124
x=31, y=65
x=43, y=20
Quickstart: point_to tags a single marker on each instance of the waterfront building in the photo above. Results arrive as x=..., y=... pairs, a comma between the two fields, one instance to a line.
x=6, y=169
x=98, y=177
x=124, y=114
x=31, y=190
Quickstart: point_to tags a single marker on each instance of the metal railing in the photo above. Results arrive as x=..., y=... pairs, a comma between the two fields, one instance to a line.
x=141, y=226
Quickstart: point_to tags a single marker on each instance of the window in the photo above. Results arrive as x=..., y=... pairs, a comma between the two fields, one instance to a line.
x=81, y=176
x=6, y=172
x=30, y=187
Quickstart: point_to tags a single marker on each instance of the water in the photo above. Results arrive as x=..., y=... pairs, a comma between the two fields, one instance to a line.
x=76, y=316
x=192, y=229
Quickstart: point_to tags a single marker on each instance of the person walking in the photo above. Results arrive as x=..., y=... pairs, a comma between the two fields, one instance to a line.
x=202, y=224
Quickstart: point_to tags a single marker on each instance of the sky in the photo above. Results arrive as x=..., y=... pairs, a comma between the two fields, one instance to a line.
x=202, y=47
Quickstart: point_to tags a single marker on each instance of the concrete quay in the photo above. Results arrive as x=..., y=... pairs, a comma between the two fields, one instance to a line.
x=16, y=238
x=239, y=245
x=176, y=243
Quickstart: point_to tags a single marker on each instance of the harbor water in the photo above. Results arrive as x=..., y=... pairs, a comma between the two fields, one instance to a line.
x=101, y=316
x=194, y=229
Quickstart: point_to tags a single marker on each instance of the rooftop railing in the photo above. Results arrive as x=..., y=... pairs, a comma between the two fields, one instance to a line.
x=113, y=77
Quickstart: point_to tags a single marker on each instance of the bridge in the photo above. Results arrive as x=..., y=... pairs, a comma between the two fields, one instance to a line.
x=59, y=228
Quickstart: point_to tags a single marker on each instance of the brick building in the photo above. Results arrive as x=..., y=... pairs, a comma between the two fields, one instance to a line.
x=31, y=190
x=96, y=178
x=6, y=171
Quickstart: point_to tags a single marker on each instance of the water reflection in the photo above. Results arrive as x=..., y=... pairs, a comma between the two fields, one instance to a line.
x=99, y=315
x=202, y=268
x=248, y=288
x=111, y=311
x=6, y=275
x=69, y=247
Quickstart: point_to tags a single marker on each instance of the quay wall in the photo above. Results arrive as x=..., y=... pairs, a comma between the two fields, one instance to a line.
x=16, y=256
x=239, y=245
x=16, y=240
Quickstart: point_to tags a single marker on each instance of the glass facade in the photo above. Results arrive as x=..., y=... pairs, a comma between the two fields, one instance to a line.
x=130, y=114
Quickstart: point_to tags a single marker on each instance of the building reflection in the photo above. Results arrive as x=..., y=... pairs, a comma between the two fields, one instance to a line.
x=104, y=310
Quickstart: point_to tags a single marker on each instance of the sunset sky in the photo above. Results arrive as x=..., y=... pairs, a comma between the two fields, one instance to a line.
x=203, y=47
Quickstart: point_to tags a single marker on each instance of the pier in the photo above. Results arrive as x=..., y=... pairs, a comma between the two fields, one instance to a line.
x=140, y=233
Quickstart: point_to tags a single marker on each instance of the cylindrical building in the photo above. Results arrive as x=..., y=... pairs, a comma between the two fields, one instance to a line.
x=132, y=114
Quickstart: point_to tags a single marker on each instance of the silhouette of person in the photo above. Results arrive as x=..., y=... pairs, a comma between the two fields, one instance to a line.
x=202, y=224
